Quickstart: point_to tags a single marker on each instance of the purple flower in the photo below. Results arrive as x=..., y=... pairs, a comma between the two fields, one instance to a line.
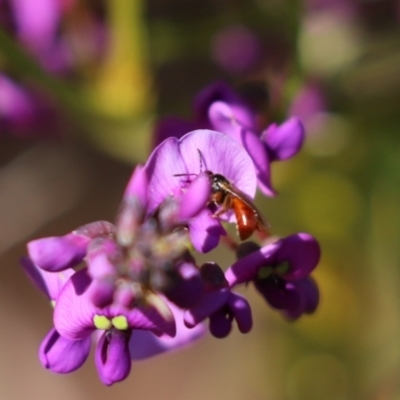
x=121, y=335
x=280, y=272
x=236, y=49
x=24, y=112
x=219, y=304
x=174, y=163
x=76, y=318
x=310, y=105
x=218, y=107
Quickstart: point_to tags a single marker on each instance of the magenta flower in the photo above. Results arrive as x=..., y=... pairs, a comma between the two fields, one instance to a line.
x=121, y=335
x=174, y=164
x=280, y=272
x=76, y=318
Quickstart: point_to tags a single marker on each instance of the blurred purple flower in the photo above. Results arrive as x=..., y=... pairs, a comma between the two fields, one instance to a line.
x=308, y=105
x=24, y=112
x=218, y=107
x=280, y=272
x=236, y=49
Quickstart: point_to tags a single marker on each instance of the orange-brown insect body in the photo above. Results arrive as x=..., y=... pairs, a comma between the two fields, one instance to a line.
x=229, y=197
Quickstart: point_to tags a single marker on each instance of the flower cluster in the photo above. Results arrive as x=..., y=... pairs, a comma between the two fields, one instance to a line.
x=134, y=287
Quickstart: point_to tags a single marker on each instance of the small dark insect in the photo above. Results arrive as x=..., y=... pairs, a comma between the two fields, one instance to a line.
x=229, y=197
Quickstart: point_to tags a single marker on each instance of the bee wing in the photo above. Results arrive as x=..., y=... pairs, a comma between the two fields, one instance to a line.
x=234, y=191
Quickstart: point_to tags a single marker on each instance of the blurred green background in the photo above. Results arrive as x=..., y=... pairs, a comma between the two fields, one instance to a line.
x=344, y=187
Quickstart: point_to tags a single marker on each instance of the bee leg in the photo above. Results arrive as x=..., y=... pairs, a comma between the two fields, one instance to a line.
x=225, y=206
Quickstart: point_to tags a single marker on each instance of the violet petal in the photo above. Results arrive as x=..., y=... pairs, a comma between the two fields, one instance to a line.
x=50, y=283
x=162, y=168
x=246, y=269
x=58, y=253
x=159, y=320
x=195, y=198
x=284, y=141
x=220, y=324
x=74, y=311
x=62, y=355
x=112, y=356
x=220, y=154
x=145, y=344
x=138, y=185
x=279, y=294
x=207, y=304
x=205, y=231
x=302, y=252
x=188, y=288
x=241, y=310
x=308, y=293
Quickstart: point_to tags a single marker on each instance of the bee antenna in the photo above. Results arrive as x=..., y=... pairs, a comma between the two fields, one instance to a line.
x=201, y=158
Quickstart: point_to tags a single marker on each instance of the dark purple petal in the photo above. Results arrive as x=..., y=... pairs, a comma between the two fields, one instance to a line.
x=240, y=308
x=62, y=355
x=205, y=231
x=246, y=269
x=278, y=293
x=308, y=293
x=220, y=91
x=188, y=287
x=74, y=311
x=195, y=198
x=172, y=127
x=58, y=253
x=207, y=304
x=145, y=344
x=50, y=283
x=302, y=252
x=284, y=141
x=220, y=324
x=112, y=356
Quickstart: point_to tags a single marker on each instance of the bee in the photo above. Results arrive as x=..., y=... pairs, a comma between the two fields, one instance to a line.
x=229, y=197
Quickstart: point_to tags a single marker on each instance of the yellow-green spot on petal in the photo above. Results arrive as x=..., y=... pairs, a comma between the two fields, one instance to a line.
x=282, y=268
x=102, y=322
x=264, y=272
x=53, y=303
x=120, y=322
